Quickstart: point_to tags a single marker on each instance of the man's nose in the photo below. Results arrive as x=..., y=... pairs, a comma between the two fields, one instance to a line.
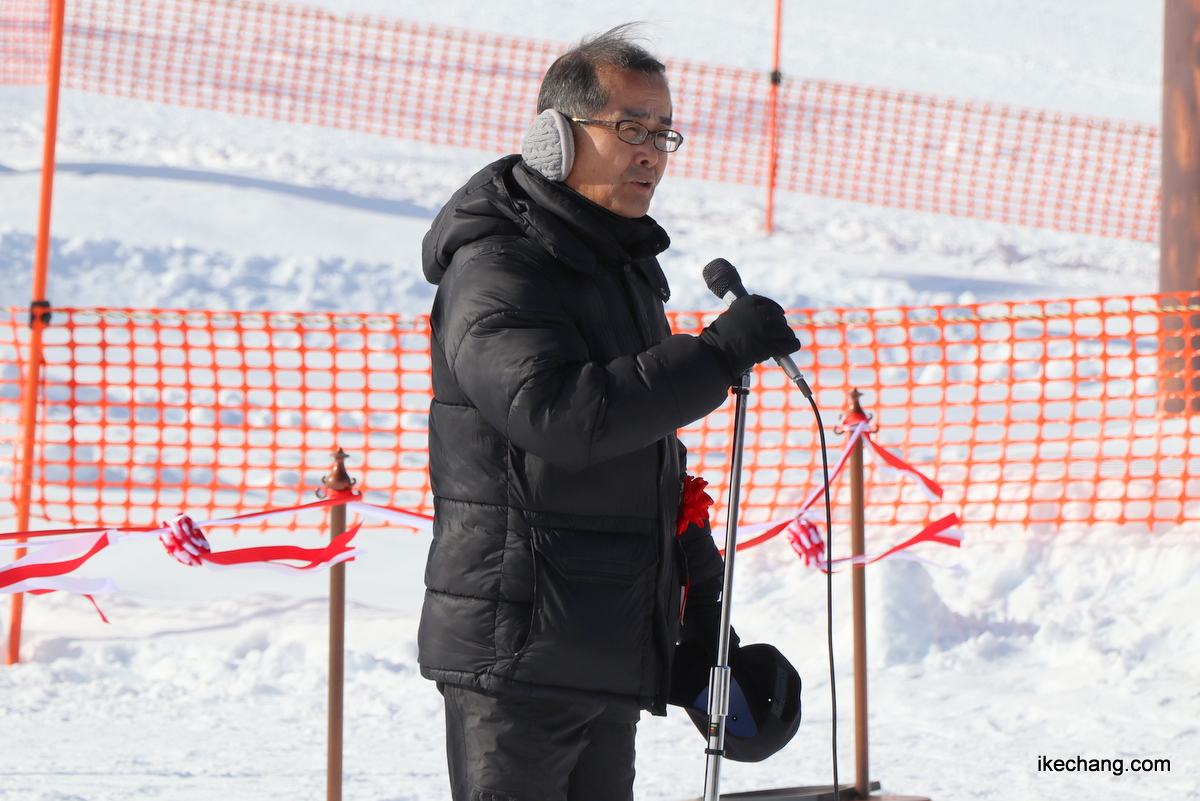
x=647, y=153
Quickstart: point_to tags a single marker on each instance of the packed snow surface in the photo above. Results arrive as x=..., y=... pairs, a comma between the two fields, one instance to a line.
x=212, y=685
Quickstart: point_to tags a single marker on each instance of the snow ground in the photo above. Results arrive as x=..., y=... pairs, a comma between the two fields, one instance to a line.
x=1031, y=649
x=212, y=685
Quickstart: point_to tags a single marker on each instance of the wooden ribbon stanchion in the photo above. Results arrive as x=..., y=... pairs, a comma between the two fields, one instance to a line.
x=858, y=589
x=337, y=481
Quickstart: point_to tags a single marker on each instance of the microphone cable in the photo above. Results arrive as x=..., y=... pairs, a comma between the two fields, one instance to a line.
x=828, y=592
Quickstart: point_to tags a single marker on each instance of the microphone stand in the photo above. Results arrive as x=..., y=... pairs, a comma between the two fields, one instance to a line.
x=719, y=677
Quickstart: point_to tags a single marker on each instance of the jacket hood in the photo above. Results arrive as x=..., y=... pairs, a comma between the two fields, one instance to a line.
x=507, y=199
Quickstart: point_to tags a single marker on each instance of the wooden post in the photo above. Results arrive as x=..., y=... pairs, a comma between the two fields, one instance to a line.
x=1179, y=201
x=339, y=480
x=773, y=121
x=38, y=317
x=862, y=779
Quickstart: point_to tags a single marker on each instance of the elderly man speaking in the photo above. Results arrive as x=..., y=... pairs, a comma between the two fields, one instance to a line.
x=556, y=577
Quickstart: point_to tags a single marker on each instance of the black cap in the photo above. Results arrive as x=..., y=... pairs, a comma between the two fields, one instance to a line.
x=772, y=690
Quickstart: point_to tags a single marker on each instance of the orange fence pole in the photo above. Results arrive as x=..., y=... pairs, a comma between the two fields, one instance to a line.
x=772, y=121
x=38, y=317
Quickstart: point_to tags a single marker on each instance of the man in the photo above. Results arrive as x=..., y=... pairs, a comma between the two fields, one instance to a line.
x=554, y=581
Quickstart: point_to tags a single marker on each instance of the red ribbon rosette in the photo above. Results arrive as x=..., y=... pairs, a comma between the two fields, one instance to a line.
x=693, y=504
x=185, y=541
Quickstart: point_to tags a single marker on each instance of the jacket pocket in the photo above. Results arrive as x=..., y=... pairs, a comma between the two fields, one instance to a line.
x=593, y=600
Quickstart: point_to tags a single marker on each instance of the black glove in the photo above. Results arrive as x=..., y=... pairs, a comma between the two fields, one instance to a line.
x=691, y=669
x=752, y=330
x=699, y=639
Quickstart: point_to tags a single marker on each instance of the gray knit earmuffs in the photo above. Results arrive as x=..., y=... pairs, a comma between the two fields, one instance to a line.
x=549, y=147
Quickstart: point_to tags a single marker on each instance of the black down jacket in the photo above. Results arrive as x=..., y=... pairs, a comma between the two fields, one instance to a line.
x=556, y=475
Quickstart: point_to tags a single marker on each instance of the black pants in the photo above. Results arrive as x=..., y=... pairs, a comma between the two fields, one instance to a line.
x=512, y=748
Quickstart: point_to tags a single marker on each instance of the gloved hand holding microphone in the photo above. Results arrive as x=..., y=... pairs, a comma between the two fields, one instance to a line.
x=752, y=330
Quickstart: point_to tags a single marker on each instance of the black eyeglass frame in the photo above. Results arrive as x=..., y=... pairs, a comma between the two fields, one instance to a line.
x=641, y=133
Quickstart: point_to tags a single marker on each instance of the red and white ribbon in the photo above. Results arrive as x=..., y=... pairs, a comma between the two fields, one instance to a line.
x=401, y=517
x=45, y=569
x=185, y=541
x=894, y=464
x=802, y=529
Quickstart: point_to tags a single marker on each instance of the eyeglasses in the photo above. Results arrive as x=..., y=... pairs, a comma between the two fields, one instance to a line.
x=635, y=133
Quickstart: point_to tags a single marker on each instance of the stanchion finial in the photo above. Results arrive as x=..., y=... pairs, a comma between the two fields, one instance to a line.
x=854, y=414
x=339, y=480
x=855, y=407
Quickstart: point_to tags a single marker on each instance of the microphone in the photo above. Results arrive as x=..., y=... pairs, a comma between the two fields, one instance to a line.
x=723, y=280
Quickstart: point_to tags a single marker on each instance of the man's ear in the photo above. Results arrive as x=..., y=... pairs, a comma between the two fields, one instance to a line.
x=549, y=147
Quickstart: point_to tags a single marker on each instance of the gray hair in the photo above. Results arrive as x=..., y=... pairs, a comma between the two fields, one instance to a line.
x=572, y=84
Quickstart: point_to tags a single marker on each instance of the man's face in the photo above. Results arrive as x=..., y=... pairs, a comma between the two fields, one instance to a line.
x=617, y=175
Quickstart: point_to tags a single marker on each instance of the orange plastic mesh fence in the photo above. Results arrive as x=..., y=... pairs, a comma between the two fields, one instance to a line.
x=146, y=414
x=459, y=87
x=24, y=31
x=1052, y=412
x=972, y=159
